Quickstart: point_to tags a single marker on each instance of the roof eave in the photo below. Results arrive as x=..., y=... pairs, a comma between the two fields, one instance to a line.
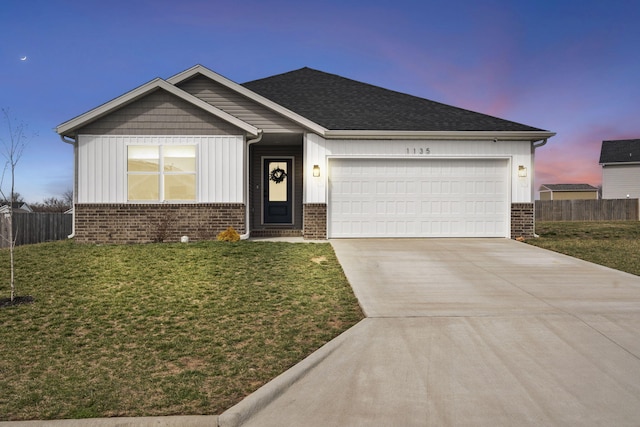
x=295, y=117
x=589, y=190
x=67, y=128
x=531, y=136
x=618, y=163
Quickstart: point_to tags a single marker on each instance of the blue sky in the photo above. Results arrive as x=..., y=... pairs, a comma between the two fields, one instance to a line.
x=571, y=67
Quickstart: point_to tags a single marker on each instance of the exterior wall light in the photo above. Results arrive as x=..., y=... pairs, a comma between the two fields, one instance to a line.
x=522, y=171
x=316, y=171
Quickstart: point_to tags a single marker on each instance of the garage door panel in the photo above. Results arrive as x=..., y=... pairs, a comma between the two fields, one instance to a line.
x=418, y=198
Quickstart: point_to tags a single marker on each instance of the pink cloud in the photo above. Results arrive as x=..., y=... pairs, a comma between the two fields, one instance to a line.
x=573, y=157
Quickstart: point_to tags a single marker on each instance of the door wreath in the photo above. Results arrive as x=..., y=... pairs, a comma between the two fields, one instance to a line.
x=277, y=175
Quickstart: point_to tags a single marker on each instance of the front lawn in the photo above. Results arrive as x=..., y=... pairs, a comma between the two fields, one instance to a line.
x=161, y=329
x=615, y=244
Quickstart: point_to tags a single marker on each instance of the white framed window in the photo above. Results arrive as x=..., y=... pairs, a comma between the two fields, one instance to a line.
x=161, y=173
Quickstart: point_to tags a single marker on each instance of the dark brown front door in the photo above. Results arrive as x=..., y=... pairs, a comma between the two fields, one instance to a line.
x=278, y=191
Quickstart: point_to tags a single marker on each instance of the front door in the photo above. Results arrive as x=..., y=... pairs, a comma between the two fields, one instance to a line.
x=278, y=191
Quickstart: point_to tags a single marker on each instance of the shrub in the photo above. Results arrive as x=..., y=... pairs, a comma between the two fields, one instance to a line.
x=229, y=235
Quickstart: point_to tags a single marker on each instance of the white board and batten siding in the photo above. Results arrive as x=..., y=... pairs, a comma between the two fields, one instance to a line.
x=418, y=188
x=102, y=166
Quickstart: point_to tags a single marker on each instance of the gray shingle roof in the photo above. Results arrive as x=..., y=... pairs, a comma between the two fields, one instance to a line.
x=620, y=151
x=338, y=103
x=567, y=187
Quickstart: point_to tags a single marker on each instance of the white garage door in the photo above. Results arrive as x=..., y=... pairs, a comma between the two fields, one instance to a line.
x=418, y=198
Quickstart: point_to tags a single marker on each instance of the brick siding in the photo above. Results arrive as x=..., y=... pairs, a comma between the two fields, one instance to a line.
x=145, y=223
x=522, y=220
x=315, y=221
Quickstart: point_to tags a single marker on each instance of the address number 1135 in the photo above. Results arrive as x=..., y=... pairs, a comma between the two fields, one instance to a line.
x=418, y=150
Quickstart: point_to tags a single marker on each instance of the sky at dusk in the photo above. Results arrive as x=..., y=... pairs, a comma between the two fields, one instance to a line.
x=570, y=67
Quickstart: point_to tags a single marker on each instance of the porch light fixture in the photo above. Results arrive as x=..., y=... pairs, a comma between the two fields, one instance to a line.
x=316, y=171
x=522, y=171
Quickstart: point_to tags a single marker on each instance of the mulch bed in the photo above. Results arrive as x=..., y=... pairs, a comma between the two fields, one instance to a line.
x=6, y=302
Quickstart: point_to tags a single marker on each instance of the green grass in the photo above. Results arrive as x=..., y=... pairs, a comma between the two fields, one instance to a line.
x=161, y=329
x=612, y=244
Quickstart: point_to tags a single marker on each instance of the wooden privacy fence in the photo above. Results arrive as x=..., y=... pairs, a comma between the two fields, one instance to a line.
x=35, y=227
x=588, y=210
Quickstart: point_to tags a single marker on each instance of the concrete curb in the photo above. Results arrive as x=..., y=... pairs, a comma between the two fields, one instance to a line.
x=171, y=421
x=250, y=405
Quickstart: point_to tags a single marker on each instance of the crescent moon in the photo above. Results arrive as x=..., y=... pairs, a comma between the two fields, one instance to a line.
x=24, y=58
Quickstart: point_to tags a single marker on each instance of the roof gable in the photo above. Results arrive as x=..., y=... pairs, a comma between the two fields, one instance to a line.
x=159, y=113
x=270, y=104
x=67, y=128
x=238, y=105
x=336, y=102
x=620, y=151
x=16, y=207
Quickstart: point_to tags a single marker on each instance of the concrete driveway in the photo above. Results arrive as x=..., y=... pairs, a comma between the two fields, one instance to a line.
x=467, y=332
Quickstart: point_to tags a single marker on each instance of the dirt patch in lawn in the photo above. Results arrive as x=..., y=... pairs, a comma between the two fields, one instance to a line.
x=6, y=302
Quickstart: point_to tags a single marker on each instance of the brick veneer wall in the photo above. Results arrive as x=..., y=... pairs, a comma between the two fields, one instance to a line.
x=522, y=220
x=314, y=221
x=142, y=223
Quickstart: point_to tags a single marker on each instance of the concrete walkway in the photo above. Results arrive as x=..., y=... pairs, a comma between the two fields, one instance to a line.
x=473, y=332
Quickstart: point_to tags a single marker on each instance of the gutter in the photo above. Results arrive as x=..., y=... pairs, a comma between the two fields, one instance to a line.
x=247, y=189
x=443, y=135
x=619, y=163
x=75, y=183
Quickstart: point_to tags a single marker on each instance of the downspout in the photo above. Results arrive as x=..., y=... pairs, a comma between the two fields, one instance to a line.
x=246, y=235
x=533, y=174
x=542, y=142
x=533, y=163
x=75, y=184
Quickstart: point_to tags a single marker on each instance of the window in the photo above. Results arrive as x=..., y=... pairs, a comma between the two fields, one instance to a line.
x=159, y=173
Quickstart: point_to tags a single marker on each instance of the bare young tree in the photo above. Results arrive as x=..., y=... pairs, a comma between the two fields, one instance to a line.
x=14, y=141
x=17, y=197
x=50, y=204
x=67, y=197
x=54, y=204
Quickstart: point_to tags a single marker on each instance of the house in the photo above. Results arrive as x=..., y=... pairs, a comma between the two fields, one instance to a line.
x=568, y=192
x=620, y=160
x=303, y=153
x=18, y=207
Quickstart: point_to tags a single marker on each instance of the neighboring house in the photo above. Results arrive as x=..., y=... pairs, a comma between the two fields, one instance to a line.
x=301, y=153
x=18, y=207
x=620, y=160
x=568, y=192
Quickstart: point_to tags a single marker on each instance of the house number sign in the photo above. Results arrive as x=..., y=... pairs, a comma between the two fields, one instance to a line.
x=419, y=150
